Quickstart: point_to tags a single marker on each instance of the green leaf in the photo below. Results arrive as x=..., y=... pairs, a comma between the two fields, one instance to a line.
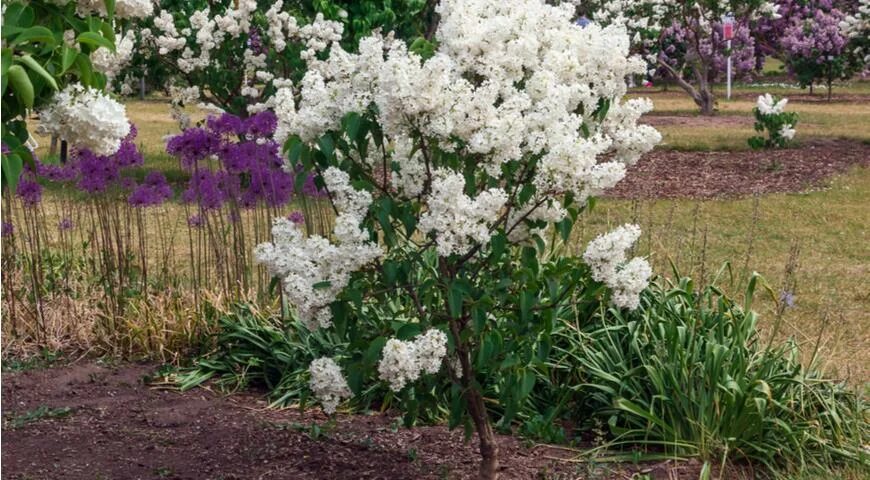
x=374, y=351
x=327, y=146
x=68, y=58
x=32, y=64
x=12, y=166
x=96, y=40
x=526, y=385
x=17, y=15
x=34, y=35
x=352, y=124
x=408, y=331
x=21, y=85
x=322, y=285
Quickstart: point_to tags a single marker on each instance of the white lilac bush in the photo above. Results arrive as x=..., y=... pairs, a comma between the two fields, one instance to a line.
x=232, y=55
x=57, y=56
x=770, y=116
x=87, y=118
x=453, y=178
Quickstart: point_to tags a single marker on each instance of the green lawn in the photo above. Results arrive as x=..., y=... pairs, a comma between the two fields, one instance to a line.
x=844, y=117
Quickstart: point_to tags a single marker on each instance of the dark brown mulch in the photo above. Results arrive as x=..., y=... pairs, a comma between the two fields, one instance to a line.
x=675, y=174
x=119, y=428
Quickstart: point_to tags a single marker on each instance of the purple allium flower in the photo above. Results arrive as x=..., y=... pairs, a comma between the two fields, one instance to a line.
x=194, y=221
x=56, y=173
x=193, y=145
x=95, y=172
x=310, y=188
x=5, y=149
x=7, y=230
x=153, y=191
x=250, y=170
x=225, y=124
x=205, y=188
x=262, y=124
x=29, y=191
x=296, y=217
x=65, y=224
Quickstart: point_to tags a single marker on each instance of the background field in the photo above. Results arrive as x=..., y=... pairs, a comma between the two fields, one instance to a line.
x=826, y=228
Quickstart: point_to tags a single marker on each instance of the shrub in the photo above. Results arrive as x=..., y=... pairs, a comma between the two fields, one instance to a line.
x=771, y=117
x=452, y=173
x=688, y=374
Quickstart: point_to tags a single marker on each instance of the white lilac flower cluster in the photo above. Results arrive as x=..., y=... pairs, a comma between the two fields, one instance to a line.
x=86, y=117
x=327, y=383
x=606, y=257
x=787, y=131
x=315, y=270
x=857, y=26
x=507, y=83
x=768, y=106
x=458, y=220
x=403, y=362
x=123, y=8
x=111, y=63
x=192, y=48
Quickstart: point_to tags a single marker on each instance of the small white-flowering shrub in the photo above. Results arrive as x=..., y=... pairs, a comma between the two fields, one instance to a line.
x=453, y=175
x=770, y=116
x=86, y=118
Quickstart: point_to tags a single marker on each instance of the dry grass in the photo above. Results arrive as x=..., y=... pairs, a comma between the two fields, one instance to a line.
x=832, y=295
x=842, y=118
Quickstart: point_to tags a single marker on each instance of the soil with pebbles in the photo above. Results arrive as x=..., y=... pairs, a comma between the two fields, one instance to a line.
x=675, y=174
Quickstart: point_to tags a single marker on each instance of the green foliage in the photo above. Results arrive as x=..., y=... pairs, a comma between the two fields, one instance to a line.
x=37, y=62
x=255, y=350
x=221, y=83
x=773, y=123
x=688, y=373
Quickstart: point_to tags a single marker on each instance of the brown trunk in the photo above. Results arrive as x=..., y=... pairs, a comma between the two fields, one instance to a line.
x=705, y=101
x=476, y=408
x=488, y=444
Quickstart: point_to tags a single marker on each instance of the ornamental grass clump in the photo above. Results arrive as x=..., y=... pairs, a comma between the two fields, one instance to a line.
x=688, y=375
x=770, y=116
x=452, y=169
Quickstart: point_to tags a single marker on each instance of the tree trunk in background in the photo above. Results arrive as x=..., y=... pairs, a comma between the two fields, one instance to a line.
x=702, y=94
x=52, y=149
x=142, y=87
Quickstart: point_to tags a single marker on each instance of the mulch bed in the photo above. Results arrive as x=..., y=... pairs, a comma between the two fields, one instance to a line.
x=119, y=428
x=702, y=175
